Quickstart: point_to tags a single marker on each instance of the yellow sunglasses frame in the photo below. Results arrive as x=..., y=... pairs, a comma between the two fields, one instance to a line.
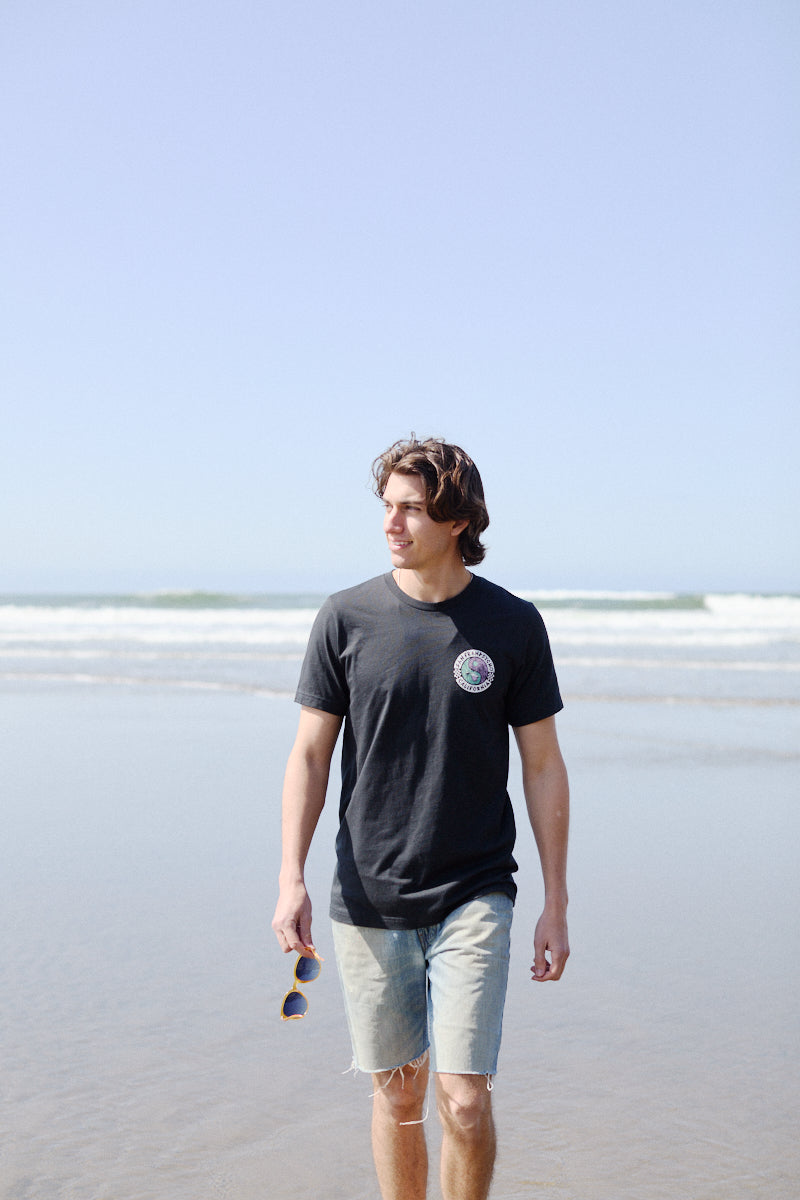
x=295, y=988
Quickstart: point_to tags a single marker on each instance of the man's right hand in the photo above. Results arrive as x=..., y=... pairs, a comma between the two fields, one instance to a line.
x=292, y=921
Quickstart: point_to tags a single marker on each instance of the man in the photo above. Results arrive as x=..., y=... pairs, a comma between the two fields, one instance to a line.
x=427, y=666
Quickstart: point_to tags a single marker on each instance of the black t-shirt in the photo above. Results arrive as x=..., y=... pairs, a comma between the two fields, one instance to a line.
x=428, y=692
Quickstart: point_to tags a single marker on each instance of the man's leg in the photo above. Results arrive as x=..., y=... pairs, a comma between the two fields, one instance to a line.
x=468, y=971
x=384, y=983
x=468, y=1143
x=398, y=1135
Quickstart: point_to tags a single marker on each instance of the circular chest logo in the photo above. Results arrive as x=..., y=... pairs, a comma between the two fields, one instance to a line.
x=473, y=671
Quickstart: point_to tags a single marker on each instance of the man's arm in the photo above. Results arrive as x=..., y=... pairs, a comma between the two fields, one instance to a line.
x=546, y=788
x=304, y=787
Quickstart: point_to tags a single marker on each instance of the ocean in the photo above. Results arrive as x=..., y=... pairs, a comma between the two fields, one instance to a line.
x=705, y=647
x=141, y=1052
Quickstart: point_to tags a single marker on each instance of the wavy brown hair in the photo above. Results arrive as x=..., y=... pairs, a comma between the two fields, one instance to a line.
x=453, y=487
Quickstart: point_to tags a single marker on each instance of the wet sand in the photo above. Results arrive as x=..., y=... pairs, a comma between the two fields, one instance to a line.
x=142, y=1052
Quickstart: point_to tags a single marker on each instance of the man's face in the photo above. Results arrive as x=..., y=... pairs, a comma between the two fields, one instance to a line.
x=416, y=541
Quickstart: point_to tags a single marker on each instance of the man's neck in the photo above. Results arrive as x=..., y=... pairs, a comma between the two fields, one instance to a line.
x=432, y=588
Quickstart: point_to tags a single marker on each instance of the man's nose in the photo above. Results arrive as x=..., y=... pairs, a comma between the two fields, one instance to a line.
x=392, y=519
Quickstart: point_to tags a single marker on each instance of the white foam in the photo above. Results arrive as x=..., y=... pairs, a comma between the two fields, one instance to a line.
x=724, y=622
x=783, y=611
x=254, y=627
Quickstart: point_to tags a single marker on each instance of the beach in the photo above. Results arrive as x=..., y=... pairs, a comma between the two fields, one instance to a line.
x=143, y=1054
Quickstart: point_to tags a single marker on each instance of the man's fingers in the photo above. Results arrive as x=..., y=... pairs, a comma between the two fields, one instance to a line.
x=550, y=946
x=541, y=967
x=557, y=964
x=294, y=940
x=284, y=941
x=291, y=923
x=305, y=936
x=544, y=969
x=541, y=963
x=289, y=939
x=301, y=943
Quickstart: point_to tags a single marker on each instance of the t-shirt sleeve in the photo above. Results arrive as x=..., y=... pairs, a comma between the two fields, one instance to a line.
x=534, y=693
x=323, y=683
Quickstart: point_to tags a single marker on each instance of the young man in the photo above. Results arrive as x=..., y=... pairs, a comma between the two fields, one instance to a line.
x=427, y=666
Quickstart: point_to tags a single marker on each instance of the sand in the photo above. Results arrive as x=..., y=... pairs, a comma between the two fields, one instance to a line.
x=143, y=1056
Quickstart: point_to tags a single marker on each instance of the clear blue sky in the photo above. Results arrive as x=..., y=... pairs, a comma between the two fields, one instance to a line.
x=246, y=245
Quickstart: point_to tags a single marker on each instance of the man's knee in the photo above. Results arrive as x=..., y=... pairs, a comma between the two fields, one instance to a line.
x=464, y=1103
x=401, y=1092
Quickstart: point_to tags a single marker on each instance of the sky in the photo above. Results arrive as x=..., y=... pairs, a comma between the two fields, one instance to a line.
x=247, y=245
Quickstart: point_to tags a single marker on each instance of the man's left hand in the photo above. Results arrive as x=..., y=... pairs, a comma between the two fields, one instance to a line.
x=550, y=939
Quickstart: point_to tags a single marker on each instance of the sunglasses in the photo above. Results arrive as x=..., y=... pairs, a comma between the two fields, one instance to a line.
x=295, y=1005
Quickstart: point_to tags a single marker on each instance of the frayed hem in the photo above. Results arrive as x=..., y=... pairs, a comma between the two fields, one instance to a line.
x=416, y=1066
x=489, y=1076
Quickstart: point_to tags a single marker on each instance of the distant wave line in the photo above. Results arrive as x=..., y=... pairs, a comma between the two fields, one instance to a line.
x=554, y=598
x=187, y=601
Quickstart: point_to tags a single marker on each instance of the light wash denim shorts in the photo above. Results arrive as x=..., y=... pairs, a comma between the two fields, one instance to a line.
x=442, y=987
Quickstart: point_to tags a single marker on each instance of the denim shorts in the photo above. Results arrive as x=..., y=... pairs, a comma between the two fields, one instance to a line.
x=441, y=988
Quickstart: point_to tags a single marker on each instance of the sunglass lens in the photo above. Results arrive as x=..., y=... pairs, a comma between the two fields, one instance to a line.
x=307, y=969
x=295, y=1005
